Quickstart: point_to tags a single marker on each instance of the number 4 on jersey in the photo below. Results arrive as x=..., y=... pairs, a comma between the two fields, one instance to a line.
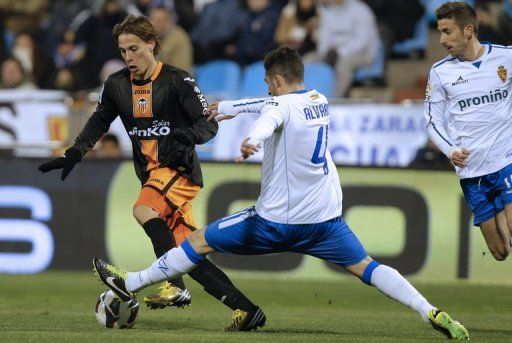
x=321, y=147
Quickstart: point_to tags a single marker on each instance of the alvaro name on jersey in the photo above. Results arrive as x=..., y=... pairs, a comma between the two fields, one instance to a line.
x=469, y=105
x=299, y=183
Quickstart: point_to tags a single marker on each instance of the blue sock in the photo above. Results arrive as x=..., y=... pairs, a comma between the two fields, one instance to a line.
x=367, y=274
x=191, y=253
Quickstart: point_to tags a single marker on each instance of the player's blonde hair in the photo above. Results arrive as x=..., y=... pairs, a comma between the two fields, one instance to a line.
x=139, y=26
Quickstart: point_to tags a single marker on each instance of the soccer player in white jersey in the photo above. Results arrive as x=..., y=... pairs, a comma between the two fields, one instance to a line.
x=468, y=108
x=299, y=208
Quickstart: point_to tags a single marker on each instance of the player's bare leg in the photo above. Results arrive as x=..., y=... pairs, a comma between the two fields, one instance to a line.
x=496, y=236
x=508, y=218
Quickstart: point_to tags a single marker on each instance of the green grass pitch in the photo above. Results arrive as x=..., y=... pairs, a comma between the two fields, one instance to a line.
x=58, y=307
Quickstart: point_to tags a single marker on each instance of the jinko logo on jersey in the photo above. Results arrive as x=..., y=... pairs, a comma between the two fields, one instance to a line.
x=157, y=129
x=493, y=96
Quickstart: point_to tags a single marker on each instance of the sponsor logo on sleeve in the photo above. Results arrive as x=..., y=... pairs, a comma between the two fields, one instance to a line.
x=428, y=91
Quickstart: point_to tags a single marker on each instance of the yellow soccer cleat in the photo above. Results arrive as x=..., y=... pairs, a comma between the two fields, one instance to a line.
x=168, y=295
x=245, y=321
x=113, y=277
x=442, y=322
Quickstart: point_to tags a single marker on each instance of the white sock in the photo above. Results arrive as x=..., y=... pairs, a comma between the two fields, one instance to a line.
x=174, y=263
x=390, y=282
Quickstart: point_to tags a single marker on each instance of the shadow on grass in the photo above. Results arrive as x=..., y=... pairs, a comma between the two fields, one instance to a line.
x=486, y=332
x=299, y=331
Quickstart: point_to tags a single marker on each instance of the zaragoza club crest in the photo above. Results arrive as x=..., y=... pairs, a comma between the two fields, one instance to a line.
x=502, y=73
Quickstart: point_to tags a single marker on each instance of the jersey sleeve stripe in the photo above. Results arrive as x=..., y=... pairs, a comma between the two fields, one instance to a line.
x=440, y=135
x=502, y=46
x=434, y=126
x=446, y=60
x=248, y=103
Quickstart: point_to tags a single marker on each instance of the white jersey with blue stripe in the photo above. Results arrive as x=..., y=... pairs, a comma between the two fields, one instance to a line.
x=469, y=105
x=299, y=182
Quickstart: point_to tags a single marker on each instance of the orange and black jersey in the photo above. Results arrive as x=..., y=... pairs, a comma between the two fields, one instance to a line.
x=165, y=116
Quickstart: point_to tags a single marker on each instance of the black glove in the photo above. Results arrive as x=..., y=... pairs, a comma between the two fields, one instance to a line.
x=66, y=163
x=183, y=136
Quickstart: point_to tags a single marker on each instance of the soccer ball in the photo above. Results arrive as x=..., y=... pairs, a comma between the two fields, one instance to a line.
x=111, y=312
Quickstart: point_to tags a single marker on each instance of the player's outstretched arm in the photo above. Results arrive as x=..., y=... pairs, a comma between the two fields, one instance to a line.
x=66, y=163
x=229, y=109
x=215, y=114
x=97, y=125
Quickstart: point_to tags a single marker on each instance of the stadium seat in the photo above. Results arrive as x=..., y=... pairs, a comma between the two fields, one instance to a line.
x=253, y=83
x=417, y=44
x=320, y=76
x=374, y=74
x=219, y=79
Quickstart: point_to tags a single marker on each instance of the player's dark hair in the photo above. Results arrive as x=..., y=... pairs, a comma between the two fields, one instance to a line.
x=462, y=13
x=139, y=26
x=286, y=62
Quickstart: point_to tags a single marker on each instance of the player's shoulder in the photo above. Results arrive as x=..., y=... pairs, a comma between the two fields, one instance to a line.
x=284, y=100
x=445, y=62
x=177, y=74
x=179, y=78
x=316, y=96
x=119, y=76
x=273, y=102
x=303, y=96
x=169, y=69
x=500, y=49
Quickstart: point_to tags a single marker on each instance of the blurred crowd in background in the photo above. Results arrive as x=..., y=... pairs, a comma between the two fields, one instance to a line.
x=68, y=45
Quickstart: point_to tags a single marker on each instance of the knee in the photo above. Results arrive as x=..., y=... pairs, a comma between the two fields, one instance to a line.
x=136, y=211
x=198, y=242
x=143, y=213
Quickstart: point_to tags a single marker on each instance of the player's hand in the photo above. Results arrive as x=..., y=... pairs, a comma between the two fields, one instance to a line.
x=247, y=150
x=213, y=110
x=65, y=162
x=459, y=157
